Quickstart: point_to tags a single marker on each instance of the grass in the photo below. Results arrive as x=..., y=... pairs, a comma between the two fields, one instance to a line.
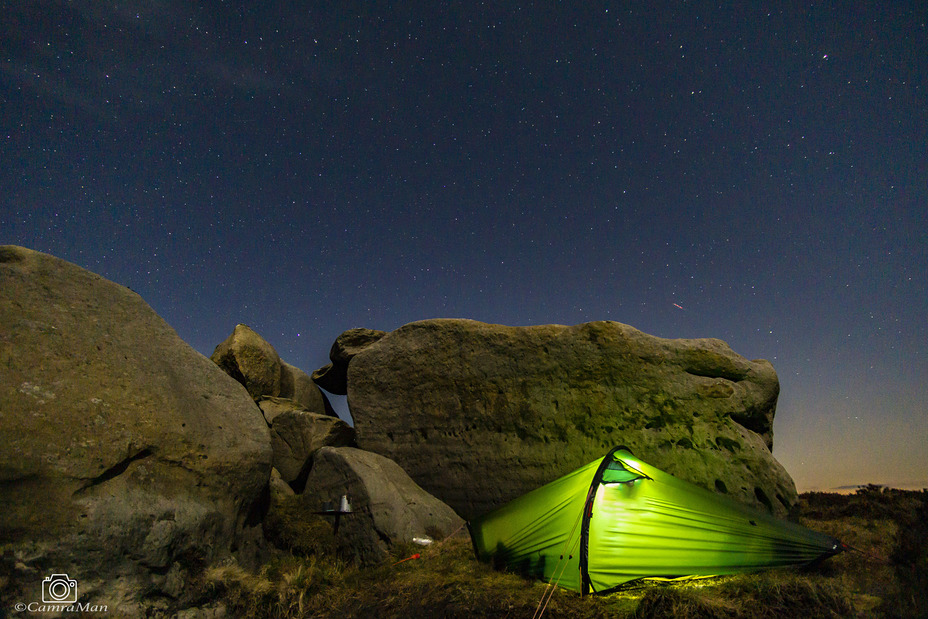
x=887, y=576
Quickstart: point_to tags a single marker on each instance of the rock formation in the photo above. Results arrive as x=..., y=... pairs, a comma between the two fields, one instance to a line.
x=251, y=360
x=296, y=385
x=388, y=508
x=127, y=459
x=479, y=414
x=334, y=376
x=296, y=433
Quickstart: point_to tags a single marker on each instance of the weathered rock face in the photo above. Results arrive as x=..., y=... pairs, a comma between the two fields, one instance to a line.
x=296, y=385
x=387, y=506
x=126, y=457
x=334, y=376
x=251, y=360
x=479, y=414
x=296, y=433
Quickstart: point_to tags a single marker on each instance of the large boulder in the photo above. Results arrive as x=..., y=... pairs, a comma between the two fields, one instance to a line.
x=296, y=385
x=333, y=377
x=127, y=459
x=251, y=360
x=388, y=508
x=296, y=433
x=479, y=414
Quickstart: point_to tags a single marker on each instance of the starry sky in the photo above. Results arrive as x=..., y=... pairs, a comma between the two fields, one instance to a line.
x=754, y=172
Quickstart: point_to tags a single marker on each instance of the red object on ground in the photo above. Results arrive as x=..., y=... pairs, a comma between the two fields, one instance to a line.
x=415, y=556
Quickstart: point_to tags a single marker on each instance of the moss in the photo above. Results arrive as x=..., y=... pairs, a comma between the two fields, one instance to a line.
x=729, y=444
x=655, y=423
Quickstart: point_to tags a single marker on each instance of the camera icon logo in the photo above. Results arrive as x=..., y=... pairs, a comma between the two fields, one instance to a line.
x=59, y=589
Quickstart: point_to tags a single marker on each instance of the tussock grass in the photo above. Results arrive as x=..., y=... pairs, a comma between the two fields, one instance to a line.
x=290, y=526
x=683, y=603
x=886, y=577
x=764, y=596
x=281, y=589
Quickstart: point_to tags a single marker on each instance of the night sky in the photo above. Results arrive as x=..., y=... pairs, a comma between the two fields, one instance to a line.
x=753, y=174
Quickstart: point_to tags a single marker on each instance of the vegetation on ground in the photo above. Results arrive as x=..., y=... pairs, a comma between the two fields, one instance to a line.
x=886, y=575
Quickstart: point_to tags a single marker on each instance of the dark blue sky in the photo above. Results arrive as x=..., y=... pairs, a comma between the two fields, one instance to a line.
x=306, y=171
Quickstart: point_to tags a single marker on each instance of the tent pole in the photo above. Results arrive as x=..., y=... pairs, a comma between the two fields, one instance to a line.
x=585, y=584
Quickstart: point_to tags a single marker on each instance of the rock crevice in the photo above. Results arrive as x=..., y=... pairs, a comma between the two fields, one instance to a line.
x=116, y=470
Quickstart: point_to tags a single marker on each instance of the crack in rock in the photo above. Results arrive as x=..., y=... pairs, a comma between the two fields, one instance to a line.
x=116, y=470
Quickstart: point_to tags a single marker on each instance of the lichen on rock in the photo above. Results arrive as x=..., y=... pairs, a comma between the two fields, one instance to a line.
x=479, y=414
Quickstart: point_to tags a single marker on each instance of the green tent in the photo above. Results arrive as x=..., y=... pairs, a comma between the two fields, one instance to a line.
x=619, y=519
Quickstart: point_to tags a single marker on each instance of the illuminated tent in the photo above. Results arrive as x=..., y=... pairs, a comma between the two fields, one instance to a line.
x=619, y=519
